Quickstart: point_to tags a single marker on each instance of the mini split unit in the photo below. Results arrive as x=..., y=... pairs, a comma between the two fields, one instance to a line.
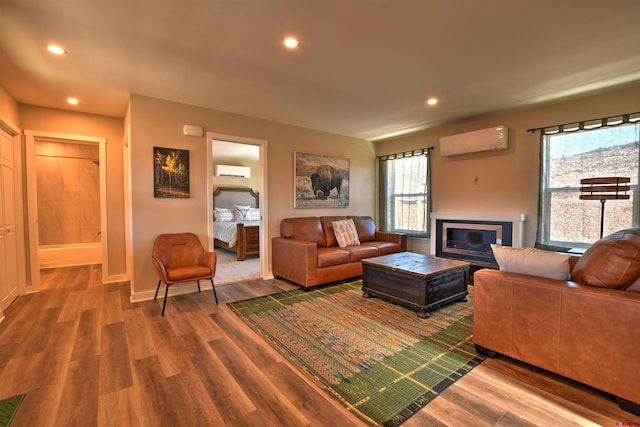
x=233, y=171
x=494, y=138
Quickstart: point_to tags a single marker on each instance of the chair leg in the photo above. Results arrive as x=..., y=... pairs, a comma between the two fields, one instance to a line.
x=158, y=288
x=198, y=285
x=165, y=299
x=214, y=290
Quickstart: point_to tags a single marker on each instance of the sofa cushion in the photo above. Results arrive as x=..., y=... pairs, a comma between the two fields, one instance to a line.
x=327, y=226
x=384, y=248
x=346, y=234
x=305, y=228
x=361, y=252
x=611, y=262
x=634, y=286
x=532, y=262
x=332, y=256
x=366, y=228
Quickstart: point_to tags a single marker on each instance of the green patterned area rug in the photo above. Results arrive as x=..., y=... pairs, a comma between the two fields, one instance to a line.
x=8, y=409
x=378, y=359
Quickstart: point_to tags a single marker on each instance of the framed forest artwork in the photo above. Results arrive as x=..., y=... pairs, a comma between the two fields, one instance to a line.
x=170, y=173
x=320, y=181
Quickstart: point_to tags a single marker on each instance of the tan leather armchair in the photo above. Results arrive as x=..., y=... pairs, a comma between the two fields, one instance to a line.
x=180, y=258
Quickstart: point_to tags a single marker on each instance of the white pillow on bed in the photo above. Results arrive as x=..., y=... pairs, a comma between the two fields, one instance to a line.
x=222, y=214
x=242, y=212
x=254, y=214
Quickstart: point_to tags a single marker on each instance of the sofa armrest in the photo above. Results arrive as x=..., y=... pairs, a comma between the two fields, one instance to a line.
x=399, y=238
x=295, y=260
x=518, y=315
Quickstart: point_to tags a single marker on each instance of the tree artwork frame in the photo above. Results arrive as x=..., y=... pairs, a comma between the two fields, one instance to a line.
x=320, y=181
x=171, y=173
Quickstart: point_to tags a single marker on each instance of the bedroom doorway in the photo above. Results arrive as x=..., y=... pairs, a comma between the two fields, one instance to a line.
x=236, y=167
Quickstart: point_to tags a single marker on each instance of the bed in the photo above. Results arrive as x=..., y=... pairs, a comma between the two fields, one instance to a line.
x=236, y=225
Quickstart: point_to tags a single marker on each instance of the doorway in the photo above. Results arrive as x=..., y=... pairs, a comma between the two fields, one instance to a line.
x=247, y=155
x=66, y=191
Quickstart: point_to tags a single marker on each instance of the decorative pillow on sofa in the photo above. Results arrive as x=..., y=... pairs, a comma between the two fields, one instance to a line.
x=346, y=234
x=611, y=262
x=223, y=214
x=242, y=212
x=532, y=262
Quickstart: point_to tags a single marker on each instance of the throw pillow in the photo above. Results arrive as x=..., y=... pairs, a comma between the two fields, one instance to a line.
x=611, y=262
x=532, y=262
x=223, y=214
x=242, y=212
x=254, y=214
x=346, y=234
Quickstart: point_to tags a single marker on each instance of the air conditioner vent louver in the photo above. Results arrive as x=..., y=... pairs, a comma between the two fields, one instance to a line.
x=495, y=138
x=233, y=171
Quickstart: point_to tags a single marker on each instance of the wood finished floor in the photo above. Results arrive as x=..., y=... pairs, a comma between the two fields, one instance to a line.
x=86, y=356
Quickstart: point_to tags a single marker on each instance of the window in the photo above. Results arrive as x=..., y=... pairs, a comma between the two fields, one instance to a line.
x=404, y=193
x=567, y=157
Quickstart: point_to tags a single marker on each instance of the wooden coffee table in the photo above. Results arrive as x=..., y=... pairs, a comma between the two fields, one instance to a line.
x=423, y=282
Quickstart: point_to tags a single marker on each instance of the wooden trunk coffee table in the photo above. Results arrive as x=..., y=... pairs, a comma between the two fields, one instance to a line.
x=423, y=282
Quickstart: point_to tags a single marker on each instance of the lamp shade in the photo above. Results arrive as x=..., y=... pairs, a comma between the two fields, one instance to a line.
x=603, y=189
x=609, y=188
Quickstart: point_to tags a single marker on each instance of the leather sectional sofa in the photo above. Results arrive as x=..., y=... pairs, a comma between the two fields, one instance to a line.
x=307, y=251
x=586, y=328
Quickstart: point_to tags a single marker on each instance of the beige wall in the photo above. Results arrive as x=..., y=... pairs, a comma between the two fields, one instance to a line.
x=8, y=107
x=68, y=122
x=503, y=181
x=157, y=122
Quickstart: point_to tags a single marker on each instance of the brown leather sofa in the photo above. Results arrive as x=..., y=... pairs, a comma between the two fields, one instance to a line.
x=307, y=252
x=586, y=328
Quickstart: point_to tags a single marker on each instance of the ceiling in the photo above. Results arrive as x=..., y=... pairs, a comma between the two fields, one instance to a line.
x=364, y=68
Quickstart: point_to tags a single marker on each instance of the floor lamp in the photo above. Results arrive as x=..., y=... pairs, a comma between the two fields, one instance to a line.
x=603, y=189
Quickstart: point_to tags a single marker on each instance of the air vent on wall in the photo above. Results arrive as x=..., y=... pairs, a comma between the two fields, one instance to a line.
x=494, y=138
x=234, y=171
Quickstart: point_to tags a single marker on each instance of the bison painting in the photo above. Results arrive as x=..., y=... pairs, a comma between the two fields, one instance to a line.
x=324, y=180
x=321, y=181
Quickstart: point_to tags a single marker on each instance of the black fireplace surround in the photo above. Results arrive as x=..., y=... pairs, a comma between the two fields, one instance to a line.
x=471, y=240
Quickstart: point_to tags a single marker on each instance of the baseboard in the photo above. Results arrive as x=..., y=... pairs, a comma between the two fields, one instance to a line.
x=117, y=278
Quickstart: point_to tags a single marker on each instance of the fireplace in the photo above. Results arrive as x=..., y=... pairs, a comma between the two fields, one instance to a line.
x=470, y=239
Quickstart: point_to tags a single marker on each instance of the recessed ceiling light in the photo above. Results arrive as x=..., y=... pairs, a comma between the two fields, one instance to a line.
x=432, y=101
x=291, y=42
x=72, y=101
x=56, y=50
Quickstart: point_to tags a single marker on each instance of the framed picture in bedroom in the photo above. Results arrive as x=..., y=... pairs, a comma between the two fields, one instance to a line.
x=170, y=173
x=320, y=181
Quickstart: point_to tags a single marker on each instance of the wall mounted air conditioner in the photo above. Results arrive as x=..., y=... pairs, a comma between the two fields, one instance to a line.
x=234, y=171
x=495, y=138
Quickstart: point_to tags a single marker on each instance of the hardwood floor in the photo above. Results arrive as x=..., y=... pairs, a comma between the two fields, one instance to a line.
x=86, y=356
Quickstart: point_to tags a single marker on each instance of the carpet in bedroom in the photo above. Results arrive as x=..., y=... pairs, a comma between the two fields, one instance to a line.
x=230, y=270
x=378, y=359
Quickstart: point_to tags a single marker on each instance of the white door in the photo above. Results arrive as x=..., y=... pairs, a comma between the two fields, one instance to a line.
x=8, y=242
